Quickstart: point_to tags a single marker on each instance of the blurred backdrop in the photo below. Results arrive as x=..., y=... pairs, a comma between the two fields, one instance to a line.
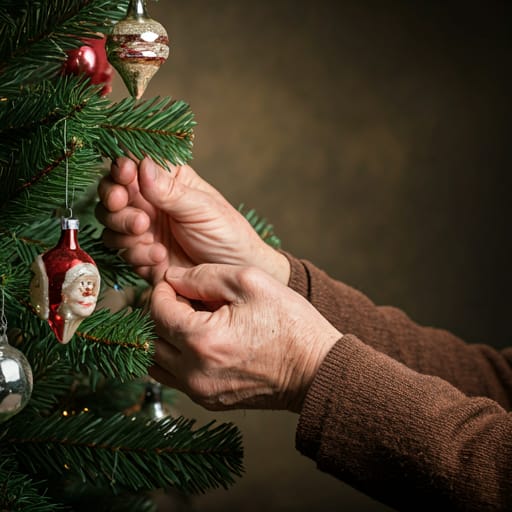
x=375, y=137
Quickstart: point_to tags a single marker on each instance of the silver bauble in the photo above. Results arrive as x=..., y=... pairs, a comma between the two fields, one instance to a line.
x=16, y=380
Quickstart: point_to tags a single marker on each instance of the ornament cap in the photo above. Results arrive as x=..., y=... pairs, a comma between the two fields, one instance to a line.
x=137, y=9
x=69, y=223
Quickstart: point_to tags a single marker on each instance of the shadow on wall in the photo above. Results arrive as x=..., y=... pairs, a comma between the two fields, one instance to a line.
x=375, y=137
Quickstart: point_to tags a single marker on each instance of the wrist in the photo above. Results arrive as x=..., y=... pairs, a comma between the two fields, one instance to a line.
x=307, y=371
x=275, y=264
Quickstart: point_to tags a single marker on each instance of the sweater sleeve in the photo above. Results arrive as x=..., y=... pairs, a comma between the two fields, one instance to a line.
x=411, y=441
x=475, y=369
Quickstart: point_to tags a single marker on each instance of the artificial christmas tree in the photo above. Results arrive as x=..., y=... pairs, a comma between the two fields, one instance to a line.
x=82, y=437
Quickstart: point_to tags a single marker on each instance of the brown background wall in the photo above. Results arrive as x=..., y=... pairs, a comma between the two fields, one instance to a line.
x=375, y=137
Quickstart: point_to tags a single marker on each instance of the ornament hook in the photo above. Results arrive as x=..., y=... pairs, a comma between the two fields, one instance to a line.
x=69, y=210
x=3, y=319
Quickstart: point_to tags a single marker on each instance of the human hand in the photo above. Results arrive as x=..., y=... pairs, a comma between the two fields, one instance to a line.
x=234, y=337
x=160, y=218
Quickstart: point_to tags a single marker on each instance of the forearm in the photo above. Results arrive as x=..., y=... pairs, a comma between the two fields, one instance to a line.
x=474, y=369
x=383, y=428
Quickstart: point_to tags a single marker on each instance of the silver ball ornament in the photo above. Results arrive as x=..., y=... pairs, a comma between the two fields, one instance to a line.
x=16, y=381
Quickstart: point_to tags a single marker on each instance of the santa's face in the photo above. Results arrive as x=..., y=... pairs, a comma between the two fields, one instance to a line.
x=80, y=294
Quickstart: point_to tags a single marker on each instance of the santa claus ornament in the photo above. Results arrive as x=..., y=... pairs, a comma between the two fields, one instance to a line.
x=66, y=283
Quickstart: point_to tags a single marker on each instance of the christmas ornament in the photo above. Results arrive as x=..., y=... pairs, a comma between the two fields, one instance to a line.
x=91, y=60
x=152, y=405
x=66, y=282
x=16, y=380
x=137, y=47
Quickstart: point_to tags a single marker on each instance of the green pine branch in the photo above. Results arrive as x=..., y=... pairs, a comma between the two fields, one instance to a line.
x=110, y=396
x=18, y=493
x=52, y=372
x=106, y=451
x=84, y=498
x=118, y=345
x=42, y=149
x=40, y=196
x=159, y=127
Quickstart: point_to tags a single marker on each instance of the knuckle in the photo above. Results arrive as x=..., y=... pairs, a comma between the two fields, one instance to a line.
x=250, y=277
x=199, y=271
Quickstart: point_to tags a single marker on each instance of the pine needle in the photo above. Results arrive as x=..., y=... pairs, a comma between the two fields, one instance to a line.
x=104, y=451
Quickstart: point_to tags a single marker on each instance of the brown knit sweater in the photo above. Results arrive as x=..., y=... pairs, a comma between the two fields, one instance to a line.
x=411, y=416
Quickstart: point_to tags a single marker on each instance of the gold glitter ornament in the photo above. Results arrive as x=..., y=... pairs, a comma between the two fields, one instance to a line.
x=137, y=47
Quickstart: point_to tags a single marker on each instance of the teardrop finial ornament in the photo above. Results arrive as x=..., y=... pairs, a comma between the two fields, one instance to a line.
x=137, y=47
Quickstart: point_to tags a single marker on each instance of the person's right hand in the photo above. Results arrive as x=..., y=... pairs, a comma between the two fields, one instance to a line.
x=160, y=219
x=233, y=337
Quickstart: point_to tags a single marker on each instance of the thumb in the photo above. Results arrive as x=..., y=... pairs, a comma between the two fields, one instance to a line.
x=209, y=283
x=166, y=306
x=178, y=192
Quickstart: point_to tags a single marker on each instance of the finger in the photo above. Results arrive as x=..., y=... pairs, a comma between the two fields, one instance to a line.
x=142, y=255
x=146, y=273
x=130, y=155
x=183, y=173
x=115, y=240
x=169, y=313
x=180, y=192
x=130, y=221
x=124, y=170
x=113, y=196
x=209, y=283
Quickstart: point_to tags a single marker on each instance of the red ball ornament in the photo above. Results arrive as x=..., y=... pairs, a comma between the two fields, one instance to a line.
x=66, y=282
x=91, y=60
x=82, y=60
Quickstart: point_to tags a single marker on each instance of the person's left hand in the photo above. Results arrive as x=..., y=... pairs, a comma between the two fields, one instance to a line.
x=234, y=337
x=160, y=219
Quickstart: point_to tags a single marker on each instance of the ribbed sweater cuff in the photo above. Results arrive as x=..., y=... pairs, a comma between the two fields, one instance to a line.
x=300, y=280
x=316, y=404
